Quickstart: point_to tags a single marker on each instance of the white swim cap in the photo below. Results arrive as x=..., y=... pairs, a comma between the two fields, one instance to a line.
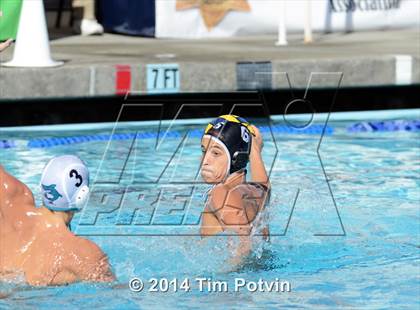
x=65, y=184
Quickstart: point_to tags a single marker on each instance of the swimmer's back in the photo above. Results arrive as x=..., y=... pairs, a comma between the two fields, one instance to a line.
x=52, y=255
x=37, y=244
x=70, y=259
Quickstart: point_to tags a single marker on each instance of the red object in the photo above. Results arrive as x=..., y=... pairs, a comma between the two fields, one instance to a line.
x=122, y=79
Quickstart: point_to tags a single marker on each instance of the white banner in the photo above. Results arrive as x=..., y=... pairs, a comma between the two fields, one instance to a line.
x=226, y=18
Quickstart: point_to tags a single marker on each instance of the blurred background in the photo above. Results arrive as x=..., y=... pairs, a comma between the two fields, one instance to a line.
x=73, y=57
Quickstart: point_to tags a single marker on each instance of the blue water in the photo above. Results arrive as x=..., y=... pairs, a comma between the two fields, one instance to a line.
x=361, y=252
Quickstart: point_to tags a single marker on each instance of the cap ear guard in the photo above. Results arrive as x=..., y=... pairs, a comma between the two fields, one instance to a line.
x=239, y=161
x=81, y=197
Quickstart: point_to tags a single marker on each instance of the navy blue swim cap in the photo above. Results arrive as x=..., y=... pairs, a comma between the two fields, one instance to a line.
x=235, y=133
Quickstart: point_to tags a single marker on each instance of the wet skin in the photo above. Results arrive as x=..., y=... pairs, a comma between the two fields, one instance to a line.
x=233, y=204
x=36, y=244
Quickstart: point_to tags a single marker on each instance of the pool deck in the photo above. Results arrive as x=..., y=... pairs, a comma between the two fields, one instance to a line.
x=110, y=64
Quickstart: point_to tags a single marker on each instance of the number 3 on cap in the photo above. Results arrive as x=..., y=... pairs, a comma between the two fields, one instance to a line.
x=75, y=174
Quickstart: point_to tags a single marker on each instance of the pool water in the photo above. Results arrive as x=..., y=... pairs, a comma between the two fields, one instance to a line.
x=351, y=242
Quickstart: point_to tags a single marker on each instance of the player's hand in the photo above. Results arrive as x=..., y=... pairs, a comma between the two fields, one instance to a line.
x=257, y=140
x=5, y=44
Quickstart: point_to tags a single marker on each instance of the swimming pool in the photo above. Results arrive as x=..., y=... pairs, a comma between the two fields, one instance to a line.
x=357, y=248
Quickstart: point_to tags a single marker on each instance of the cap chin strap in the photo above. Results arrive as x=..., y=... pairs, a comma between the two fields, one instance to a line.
x=223, y=146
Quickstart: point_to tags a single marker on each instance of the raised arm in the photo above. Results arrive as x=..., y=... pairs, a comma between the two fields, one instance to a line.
x=2, y=194
x=15, y=197
x=258, y=172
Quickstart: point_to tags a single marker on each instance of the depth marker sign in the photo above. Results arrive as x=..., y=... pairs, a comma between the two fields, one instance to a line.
x=163, y=78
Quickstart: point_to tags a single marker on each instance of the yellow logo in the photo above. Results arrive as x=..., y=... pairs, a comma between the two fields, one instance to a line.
x=213, y=11
x=230, y=118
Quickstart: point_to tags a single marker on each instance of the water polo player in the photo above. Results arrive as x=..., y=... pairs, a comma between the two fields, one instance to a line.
x=37, y=245
x=228, y=144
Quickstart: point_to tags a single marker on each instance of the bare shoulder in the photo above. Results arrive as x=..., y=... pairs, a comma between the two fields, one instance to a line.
x=227, y=205
x=80, y=259
x=223, y=195
x=86, y=247
x=86, y=250
x=87, y=260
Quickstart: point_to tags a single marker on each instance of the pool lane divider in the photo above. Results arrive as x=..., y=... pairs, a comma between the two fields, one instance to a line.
x=196, y=133
x=373, y=126
x=7, y=144
x=394, y=125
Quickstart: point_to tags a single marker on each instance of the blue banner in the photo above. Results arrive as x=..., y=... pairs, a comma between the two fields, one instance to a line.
x=132, y=17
